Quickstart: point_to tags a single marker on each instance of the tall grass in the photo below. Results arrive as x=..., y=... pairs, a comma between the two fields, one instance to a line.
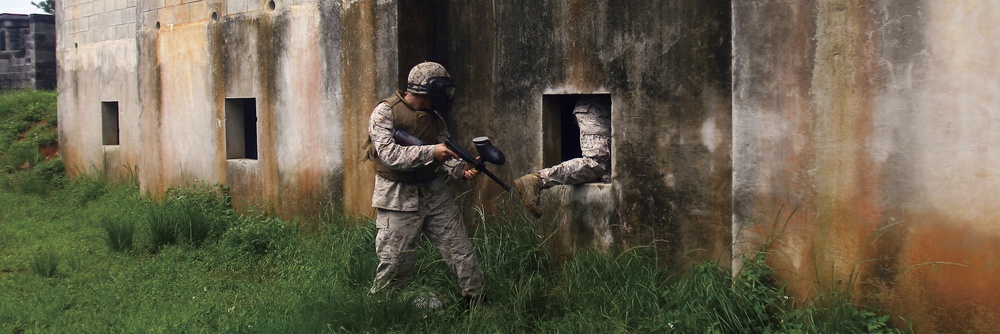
x=45, y=264
x=260, y=274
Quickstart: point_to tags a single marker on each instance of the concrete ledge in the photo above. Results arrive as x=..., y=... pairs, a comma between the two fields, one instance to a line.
x=243, y=177
x=577, y=216
x=114, y=169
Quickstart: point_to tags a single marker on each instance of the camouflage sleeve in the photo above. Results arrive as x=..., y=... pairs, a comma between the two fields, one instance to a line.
x=398, y=157
x=455, y=167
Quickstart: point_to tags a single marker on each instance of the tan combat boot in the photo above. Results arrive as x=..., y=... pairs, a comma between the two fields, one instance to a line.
x=530, y=187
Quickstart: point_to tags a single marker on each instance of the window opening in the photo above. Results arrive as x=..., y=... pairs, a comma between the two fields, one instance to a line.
x=560, y=130
x=109, y=123
x=241, y=128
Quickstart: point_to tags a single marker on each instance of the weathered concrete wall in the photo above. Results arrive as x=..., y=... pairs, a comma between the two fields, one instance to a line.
x=852, y=137
x=314, y=68
x=317, y=68
x=96, y=54
x=287, y=55
x=873, y=122
x=665, y=65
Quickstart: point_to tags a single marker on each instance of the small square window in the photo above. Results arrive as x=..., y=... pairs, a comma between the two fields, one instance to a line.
x=241, y=128
x=560, y=131
x=109, y=123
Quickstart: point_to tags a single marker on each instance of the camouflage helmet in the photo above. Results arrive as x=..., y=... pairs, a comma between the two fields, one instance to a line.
x=420, y=75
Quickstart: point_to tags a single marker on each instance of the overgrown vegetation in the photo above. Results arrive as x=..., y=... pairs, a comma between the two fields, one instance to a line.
x=29, y=142
x=85, y=256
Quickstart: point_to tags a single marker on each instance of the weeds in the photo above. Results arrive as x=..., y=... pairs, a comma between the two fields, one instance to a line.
x=162, y=225
x=86, y=188
x=259, y=237
x=45, y=264
x=121, y=234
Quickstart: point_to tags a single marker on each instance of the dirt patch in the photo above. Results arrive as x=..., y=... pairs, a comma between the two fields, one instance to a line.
x=49, y=151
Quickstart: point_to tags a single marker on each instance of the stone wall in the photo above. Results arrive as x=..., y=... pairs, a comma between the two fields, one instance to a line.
x=27, y=51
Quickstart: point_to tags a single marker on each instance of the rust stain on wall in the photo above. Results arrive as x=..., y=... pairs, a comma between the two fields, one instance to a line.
x=151, y=102
x=217, y=66
x=311, y=178
x=864, y=223
x=582, y=44
x=946, y=276
x=359, y=80
x=846, y=202
x=268, y=52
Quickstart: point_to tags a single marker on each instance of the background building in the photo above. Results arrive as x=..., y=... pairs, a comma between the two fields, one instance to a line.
x=27, y=51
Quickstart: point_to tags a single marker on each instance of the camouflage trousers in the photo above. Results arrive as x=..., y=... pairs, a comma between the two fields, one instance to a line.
x=595, y=165
x=399, y=235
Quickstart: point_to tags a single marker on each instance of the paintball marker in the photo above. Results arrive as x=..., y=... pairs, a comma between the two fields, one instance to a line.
x=487, y=153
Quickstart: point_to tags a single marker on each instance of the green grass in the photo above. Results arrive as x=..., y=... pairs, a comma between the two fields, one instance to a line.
x=260, y=274
x=85, y=256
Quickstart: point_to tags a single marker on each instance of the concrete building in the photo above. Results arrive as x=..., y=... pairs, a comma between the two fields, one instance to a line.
x=27, y=51
x=873, y=122
x=838, y=133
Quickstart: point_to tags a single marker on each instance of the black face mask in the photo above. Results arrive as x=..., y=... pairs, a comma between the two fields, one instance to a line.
x=441, y=90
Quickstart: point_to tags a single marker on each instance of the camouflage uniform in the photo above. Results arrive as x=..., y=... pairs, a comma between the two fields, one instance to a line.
x=594, y=119
x=407, y=210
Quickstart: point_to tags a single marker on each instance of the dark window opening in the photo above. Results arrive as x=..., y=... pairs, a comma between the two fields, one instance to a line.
x=241, y=128
x=560, y=131
x=15, y=41
x=109, y=123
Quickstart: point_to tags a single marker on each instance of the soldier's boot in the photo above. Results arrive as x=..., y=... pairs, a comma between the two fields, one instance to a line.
x=530, y=187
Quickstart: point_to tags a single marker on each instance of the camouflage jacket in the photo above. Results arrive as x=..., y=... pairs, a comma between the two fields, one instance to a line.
x=392, y=195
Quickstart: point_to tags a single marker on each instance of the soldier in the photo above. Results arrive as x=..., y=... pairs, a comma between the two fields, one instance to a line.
x=411, y=196
x=594, y=118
